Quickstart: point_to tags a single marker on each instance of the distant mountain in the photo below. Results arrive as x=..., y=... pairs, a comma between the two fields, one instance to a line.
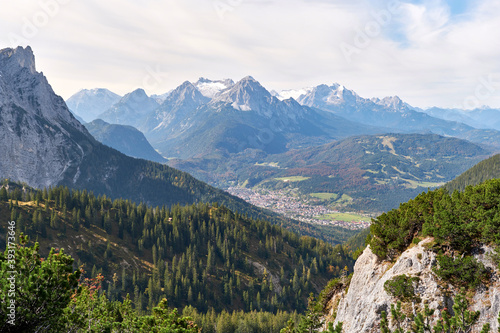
x=172, y=117
x=484, y=170
x=42, y=144
x=242, y=116
x=89, y=104
x=390, y=112
x=210, y=89
x=478, y=118
x=125, y=139
x=366, y=173
x=161, y=98
x=130, y=109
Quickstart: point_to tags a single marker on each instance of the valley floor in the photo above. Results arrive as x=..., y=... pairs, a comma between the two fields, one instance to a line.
x=294, y=207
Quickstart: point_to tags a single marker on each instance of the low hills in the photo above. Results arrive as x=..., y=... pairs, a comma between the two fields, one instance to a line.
x=375, y=173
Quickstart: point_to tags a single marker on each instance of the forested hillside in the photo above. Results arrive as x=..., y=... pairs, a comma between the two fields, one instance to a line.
x=484, y=170
x=459, y=222
x=202, y=255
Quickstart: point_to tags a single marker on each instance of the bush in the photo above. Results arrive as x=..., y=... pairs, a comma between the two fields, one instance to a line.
x=394, y=231
x=461, y=271
x=401, y=287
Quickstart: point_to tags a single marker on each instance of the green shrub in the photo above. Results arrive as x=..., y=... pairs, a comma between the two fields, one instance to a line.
x=461, y=271
x=460, y=221
x=401, y=287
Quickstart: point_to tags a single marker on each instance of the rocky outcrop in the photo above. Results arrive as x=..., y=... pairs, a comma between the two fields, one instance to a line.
x=40, y=140
x=361, y=306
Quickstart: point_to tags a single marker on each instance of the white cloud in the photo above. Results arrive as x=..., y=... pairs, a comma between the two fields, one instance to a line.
x=423, y=54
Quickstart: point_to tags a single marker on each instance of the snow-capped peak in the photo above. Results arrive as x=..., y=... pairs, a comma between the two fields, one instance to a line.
x=247, y=94
x=293, y=93
x=392, y=102
x=210, y=89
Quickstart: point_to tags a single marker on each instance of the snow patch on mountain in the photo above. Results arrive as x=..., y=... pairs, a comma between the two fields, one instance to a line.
x=293, y=93
x=210, y=89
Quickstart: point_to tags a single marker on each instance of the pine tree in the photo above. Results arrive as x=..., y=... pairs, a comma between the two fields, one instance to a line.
x=3, y=194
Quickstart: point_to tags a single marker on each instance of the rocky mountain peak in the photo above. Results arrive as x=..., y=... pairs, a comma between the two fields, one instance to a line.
x=391, y=102
x=246, y=95
x=186, y=92
x=136, y=94
x=90, y=103
x=210, y=89
x=40, y=139
x=13, y=60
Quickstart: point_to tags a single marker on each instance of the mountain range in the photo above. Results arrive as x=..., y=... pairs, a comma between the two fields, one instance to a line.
x=42, y=145
x=232, y=133
x=232, y=117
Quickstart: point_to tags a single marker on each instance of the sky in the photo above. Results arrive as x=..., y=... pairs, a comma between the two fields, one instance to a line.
x=442, y=53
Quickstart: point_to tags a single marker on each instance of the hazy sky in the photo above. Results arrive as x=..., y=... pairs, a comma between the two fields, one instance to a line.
x=444, y=53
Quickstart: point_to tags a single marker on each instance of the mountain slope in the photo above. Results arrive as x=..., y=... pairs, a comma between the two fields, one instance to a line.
x=37, y=132
x=126, y=139
x=484, y=170
x=390, y=112
x=130, y=109
x=369, y=173
x=201, y=255
x=243, y=116
x=44, y=145
x=89, y=104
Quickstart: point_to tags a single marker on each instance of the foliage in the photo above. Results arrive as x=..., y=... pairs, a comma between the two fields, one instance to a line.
x=461, y=271
x=201, y=255
x=336, y=329
x=357, y=243
x=240, y=321
x=484, y=170
x=47, y=299
x=333, y=286
x=401, y=287
x=43, y=287
x=312, y=320
x=462, y=320
x=459, y=221
x=394, y=231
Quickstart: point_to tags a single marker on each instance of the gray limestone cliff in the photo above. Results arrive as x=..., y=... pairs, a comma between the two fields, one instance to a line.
x=360, y=307
x=40, y=140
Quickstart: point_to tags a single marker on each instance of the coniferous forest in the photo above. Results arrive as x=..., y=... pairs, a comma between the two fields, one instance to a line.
x=204, y=258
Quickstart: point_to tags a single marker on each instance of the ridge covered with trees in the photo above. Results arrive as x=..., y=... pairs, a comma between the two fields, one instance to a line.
x=484, y=170
x=201, y=255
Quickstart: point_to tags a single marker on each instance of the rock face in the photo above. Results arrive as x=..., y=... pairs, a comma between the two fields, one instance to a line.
x=40, y=140
x=360, y=308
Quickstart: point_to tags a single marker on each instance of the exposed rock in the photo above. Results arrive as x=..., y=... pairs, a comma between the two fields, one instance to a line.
x=360, y=308
x=40, y=140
